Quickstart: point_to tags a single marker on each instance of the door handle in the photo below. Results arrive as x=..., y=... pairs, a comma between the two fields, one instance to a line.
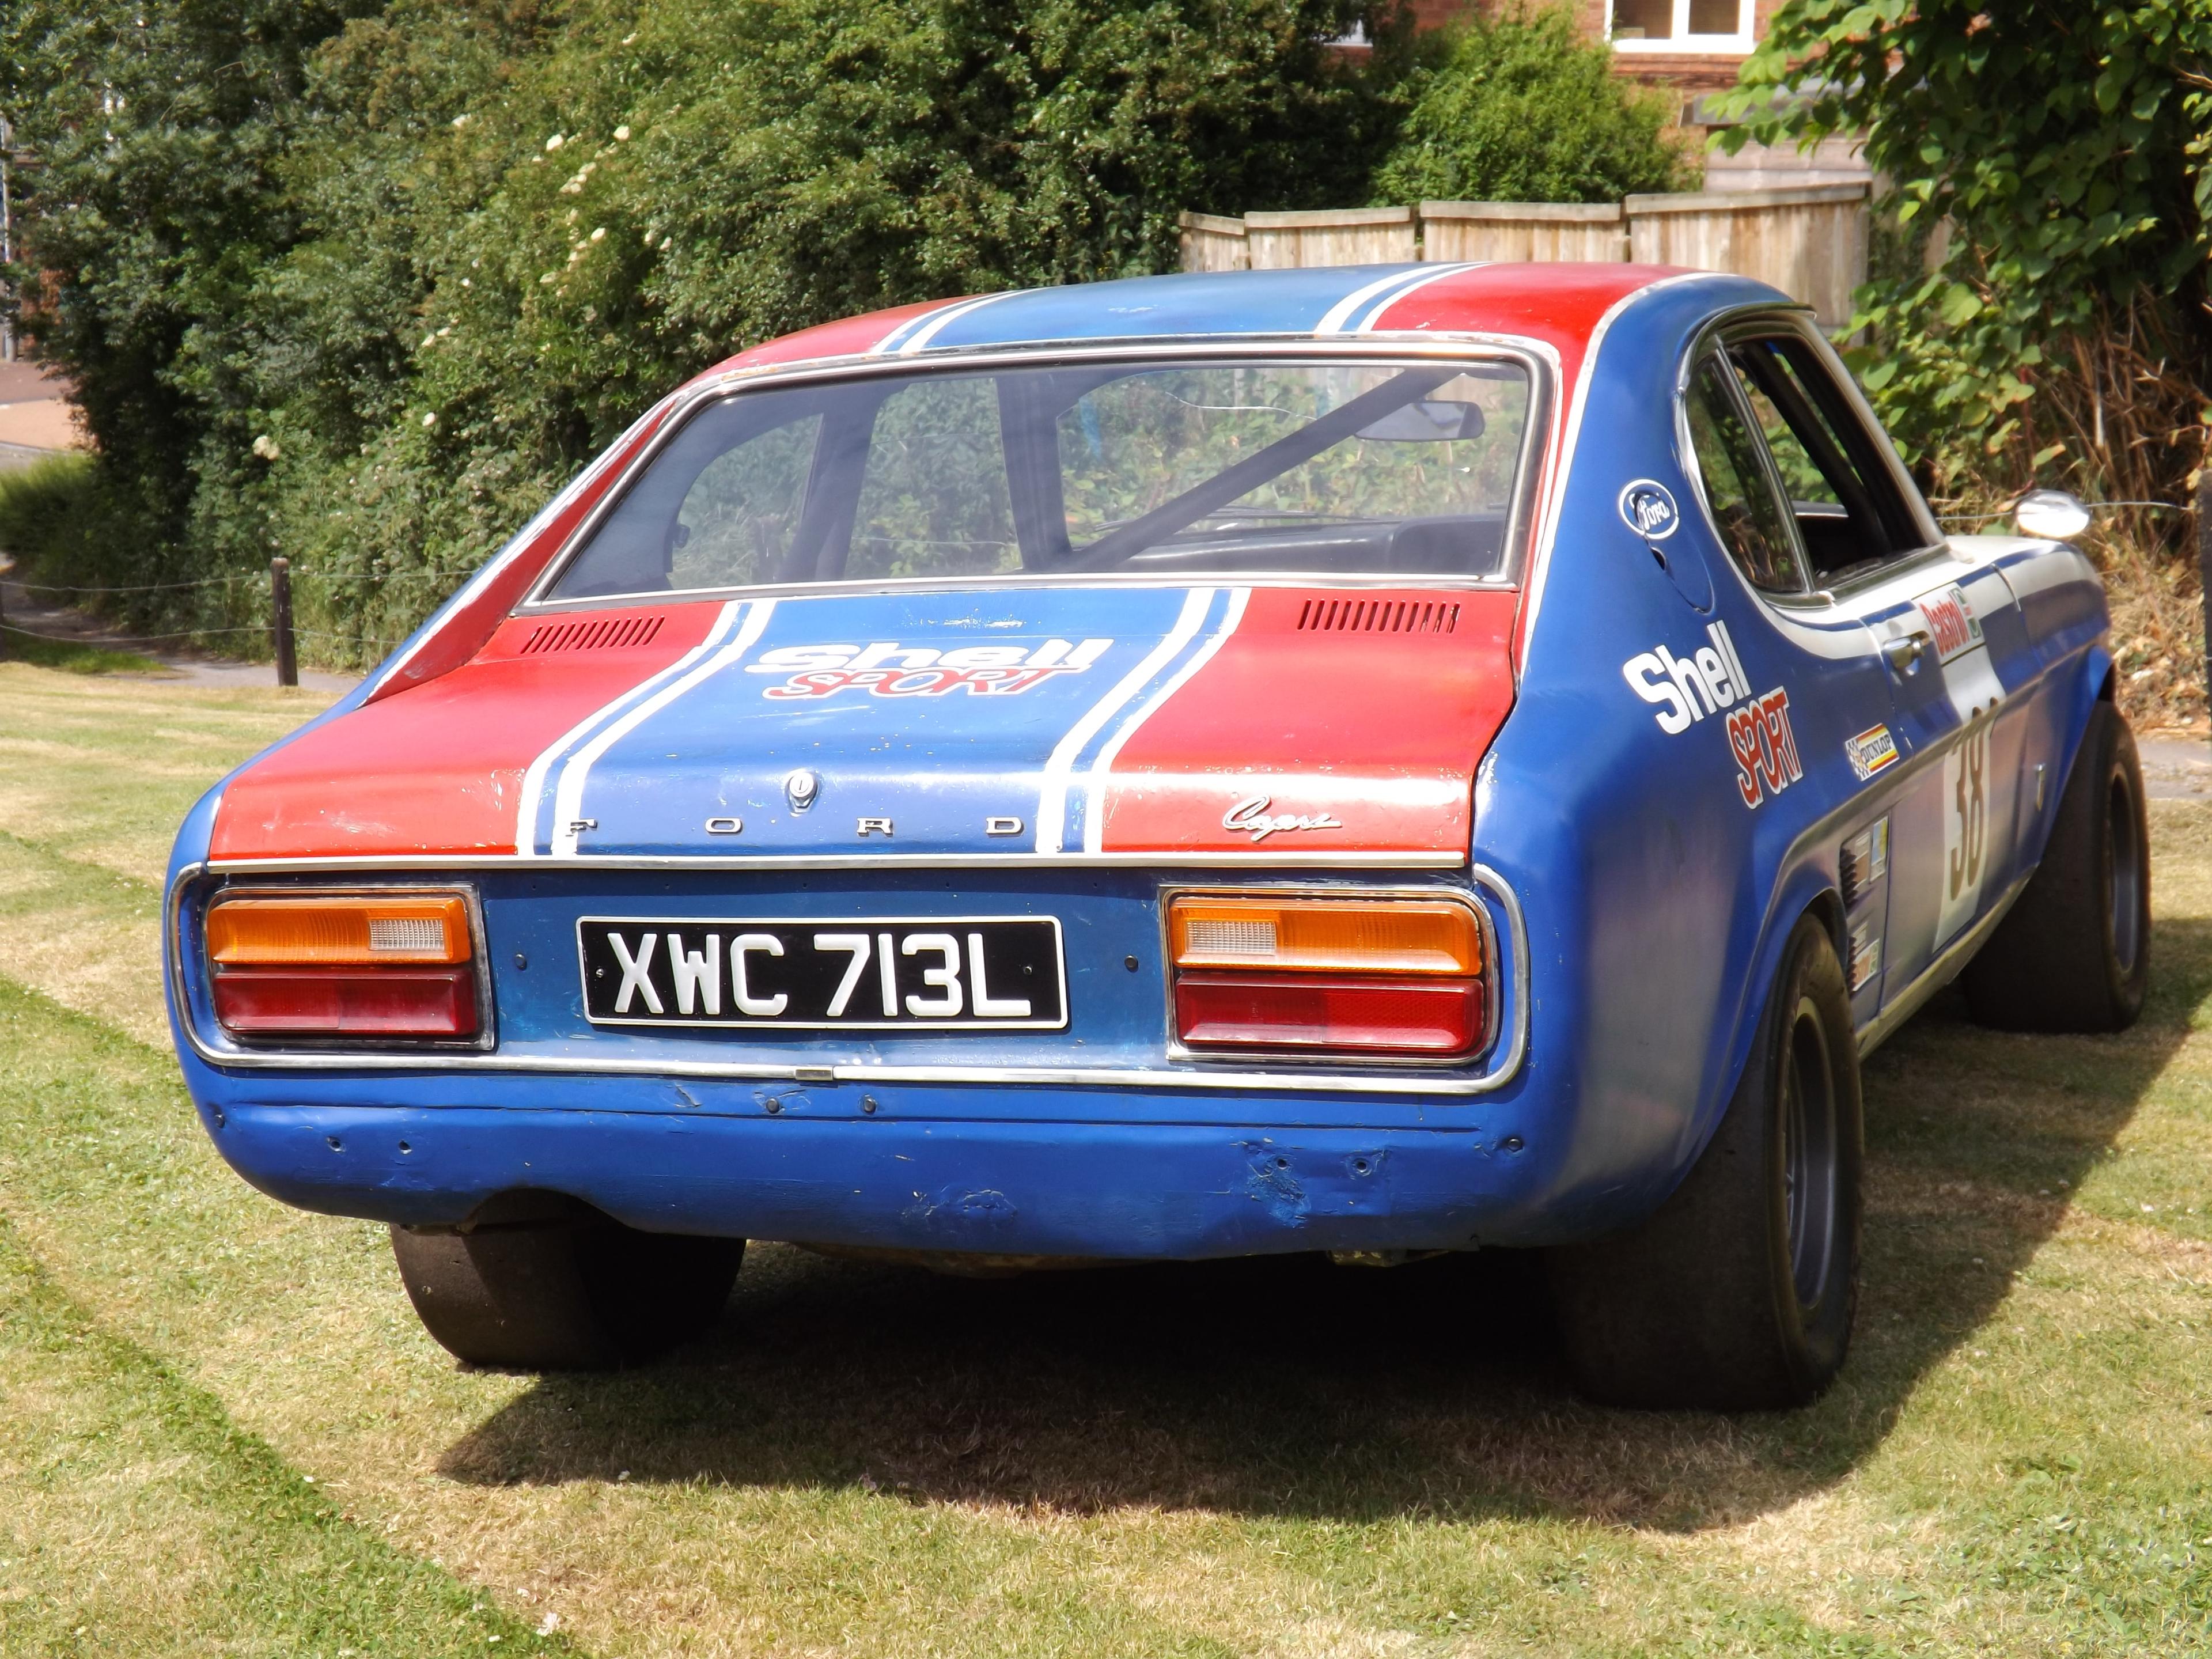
x=1904, y=653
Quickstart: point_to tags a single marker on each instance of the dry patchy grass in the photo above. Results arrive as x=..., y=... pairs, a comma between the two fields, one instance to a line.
x=1268, y=1458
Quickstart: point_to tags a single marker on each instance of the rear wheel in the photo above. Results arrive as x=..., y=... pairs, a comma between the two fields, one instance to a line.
x=2074, y=953
x=1739, y=1292
x=554, y=1285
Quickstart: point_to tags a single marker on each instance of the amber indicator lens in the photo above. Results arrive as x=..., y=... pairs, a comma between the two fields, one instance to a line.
x=341, y=931
x=1359, y=936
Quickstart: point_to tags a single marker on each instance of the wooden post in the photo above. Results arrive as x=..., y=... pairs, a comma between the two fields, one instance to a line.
x=280, y=614
x=2204, y=564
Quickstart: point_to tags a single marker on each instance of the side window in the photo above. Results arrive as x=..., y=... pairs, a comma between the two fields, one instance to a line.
x=1737, y=491
x=1851, y=515
x=933, y=499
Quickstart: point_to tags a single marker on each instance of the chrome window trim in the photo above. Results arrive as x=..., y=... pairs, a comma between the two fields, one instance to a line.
x=1504, y=1064
x=1261, y=859
x=1180, y=1052
x=1381, y=346
x=485, y=1039
x=1025, y=579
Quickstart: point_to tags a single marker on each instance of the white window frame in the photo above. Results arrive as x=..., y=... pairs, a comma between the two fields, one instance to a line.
x=1682, y=43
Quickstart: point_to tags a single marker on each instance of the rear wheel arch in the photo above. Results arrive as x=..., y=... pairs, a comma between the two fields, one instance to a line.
x=1740, y=1291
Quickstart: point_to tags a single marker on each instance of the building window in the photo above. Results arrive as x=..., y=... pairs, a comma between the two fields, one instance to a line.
x=1680, y=25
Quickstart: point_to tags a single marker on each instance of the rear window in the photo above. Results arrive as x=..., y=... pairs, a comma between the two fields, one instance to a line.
x=1184, y=467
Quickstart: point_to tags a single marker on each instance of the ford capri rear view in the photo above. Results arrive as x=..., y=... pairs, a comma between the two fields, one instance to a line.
x=1377, y=762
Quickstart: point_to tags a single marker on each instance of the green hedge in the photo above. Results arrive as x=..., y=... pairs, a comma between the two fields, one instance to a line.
x=361, y=284
x=1519, y=107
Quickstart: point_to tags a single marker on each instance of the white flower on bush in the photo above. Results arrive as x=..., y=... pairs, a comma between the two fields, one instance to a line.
x=430, y=420
x=554, y=143
x=622, y=134
x=266, y=447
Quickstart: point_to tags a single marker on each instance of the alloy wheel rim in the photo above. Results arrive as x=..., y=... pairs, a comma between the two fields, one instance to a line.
x=1808, y=1154
x=2123, y=873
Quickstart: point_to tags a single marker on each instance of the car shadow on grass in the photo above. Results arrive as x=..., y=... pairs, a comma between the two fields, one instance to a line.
x=1290, y=1386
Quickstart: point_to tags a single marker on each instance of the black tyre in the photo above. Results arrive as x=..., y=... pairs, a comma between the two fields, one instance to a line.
x=1738, y=1294
x=2074, y=953
x=551, y=1286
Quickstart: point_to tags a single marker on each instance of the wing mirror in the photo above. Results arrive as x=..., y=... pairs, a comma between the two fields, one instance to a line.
x=2050, y=514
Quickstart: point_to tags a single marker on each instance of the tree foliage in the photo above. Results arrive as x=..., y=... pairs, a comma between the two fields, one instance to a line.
x=2052, y=164
x=373, y=294
x=1521, y=108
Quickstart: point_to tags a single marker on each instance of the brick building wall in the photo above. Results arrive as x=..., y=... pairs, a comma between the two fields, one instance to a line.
x=1695, y=72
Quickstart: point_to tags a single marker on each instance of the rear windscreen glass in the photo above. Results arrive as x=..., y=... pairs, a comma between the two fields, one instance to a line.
x=1371, y=469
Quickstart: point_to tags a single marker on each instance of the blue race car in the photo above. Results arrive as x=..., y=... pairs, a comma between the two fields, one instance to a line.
x=1377, y=762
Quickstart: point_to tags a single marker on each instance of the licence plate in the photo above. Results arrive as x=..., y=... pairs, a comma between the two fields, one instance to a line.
x=950, y=973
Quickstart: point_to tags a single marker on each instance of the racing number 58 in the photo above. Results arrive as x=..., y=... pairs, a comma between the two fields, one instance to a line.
x=1967, y=832
x=1965, y=827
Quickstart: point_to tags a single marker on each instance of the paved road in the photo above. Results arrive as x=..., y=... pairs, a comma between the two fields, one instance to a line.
x=24, y=611
x=35, y=416
x=2176, y=769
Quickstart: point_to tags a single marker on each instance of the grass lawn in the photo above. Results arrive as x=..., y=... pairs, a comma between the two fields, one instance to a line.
x=222, y=1430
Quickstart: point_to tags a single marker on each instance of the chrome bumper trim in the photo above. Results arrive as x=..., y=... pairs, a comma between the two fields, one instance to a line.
x=1505, y=1063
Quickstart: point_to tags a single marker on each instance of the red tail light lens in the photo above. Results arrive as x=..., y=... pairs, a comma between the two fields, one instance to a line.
x=334, y=1002
x=344, y=965
x=1387, y=978
x=1426, y=1017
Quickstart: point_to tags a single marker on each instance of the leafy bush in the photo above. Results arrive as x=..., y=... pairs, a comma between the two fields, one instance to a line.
x=2052, y=167
x=411, y=263
x=1521, y=108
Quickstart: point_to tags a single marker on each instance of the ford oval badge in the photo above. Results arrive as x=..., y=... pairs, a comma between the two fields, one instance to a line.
x=1648, y=508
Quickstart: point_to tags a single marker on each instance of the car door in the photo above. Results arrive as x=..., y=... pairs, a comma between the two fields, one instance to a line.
x=1948, y=631
x=1823, y=661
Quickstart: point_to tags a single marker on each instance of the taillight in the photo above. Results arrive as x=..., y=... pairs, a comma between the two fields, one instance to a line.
x=344, y=964
x=1382, y=976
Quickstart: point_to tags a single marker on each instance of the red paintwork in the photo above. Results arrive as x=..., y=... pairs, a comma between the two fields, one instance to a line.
x=1380, y=729
x=438, y=770
x=847, y=337
x=1559, y=304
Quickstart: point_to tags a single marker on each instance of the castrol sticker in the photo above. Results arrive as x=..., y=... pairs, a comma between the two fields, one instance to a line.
x=1951, y=621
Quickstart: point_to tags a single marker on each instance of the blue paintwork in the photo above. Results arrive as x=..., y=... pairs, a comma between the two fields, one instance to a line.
x=1295, y=302
x=938, y=764
x=1657, y=906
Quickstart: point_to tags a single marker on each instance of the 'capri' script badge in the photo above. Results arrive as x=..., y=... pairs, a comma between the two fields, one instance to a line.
x=1253, y=817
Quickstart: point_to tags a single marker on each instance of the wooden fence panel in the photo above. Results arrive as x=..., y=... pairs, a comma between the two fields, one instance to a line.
x=1458, y=231
x=1809, y=243
x=1345, y=236
x=1210, y=242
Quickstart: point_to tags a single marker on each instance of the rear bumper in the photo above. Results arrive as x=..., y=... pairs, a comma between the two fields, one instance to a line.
x=1131, y=1190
